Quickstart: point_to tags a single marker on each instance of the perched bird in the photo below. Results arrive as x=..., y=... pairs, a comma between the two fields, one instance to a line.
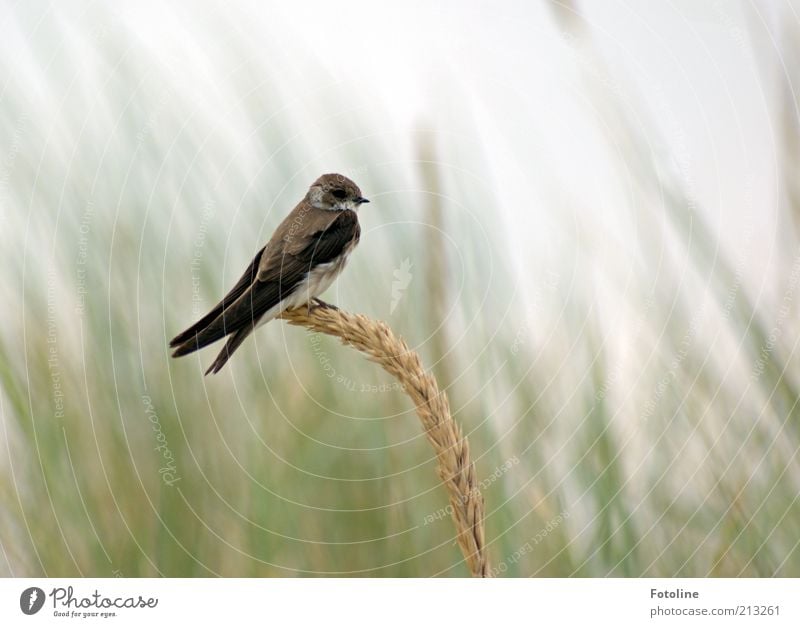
x=302, y=258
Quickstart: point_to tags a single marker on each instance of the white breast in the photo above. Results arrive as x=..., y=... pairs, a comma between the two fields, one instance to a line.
x=317, y=281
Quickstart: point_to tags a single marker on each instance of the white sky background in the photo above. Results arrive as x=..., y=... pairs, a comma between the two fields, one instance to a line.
x=495, y=76
x=149, y=109
x=690, y=62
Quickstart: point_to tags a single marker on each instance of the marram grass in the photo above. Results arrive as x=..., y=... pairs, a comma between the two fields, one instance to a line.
x=377, y=341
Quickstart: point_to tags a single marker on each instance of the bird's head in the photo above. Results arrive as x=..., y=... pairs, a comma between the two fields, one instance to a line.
x=335, y=192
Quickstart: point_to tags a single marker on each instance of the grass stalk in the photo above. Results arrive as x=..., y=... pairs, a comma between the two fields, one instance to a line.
x=379, y=343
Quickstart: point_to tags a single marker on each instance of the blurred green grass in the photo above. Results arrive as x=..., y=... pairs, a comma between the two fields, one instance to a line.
x=664, y=456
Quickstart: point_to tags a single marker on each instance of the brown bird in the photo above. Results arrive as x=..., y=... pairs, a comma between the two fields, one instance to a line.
x=302, y=258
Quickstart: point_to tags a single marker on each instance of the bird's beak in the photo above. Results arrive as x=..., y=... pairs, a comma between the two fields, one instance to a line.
x=361, y=201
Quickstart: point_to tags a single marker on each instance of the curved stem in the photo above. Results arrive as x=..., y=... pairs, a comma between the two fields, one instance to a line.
x=377, y=341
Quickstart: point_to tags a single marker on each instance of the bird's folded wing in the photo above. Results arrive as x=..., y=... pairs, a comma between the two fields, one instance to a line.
x=281, y=270
x=300, y=254
x=242, y=284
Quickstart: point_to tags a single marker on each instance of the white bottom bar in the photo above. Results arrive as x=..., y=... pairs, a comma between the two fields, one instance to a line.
x=767, y=602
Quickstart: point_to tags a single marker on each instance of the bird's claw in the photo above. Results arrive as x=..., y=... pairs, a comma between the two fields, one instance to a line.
x=317, y=303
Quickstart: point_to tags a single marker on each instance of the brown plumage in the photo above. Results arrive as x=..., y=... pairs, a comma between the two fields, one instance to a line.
x=302, y=258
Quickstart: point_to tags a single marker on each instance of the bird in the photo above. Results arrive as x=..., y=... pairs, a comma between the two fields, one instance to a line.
x=307, y=251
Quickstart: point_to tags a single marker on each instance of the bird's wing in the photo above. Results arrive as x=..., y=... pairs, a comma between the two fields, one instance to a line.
x=242, y=284
x=280, y=273
x=327, y=245
x=298, y=254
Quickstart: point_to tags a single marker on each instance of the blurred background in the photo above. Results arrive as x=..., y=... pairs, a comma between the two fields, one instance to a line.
x=585, y=217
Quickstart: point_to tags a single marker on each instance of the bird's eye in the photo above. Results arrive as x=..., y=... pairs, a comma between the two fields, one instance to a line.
x=339, y=193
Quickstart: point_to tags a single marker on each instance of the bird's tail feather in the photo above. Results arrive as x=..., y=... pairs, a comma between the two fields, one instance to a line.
x=191, y=345
x=224, y=324
x=240, y=288
x=238, y=337
x=187, y=336
x=219, y=329
x=230, y=347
